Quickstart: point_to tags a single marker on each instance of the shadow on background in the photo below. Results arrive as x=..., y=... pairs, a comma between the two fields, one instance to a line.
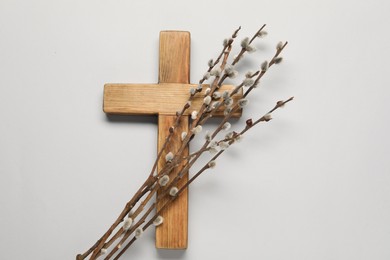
x=170, y=254
x=131, y=119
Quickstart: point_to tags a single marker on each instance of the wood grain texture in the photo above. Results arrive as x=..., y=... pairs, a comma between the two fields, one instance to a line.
x=174, y=62
x=173, y=233
x=174, y=67
x=153, y=99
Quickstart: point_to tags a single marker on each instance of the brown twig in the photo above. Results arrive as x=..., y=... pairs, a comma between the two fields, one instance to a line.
x=243, y=50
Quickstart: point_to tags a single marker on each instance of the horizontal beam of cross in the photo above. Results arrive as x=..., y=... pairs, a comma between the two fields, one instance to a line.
x=154, y=99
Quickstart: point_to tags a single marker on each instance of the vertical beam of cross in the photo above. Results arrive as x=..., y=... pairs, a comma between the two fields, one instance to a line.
x=174, y=67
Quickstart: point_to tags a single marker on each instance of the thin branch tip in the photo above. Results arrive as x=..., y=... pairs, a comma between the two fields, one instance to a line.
x=290, y=99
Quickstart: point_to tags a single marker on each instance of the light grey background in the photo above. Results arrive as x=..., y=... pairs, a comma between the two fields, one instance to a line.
x=312, y=184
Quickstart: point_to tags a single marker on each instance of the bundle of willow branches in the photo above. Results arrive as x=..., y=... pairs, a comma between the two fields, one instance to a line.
x=138, y=214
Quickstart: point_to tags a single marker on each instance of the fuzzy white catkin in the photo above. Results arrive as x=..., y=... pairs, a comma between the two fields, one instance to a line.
x=206, y=75
x=207, y=91
x=264, y=66
x=208, y=136
x=233, y=74
x=278, y=60
x=279, y=45
x=212, y=164
x=197, y=129
x=249, y=74
x=103, y=251
x=229, y=135
x=210, y=63
x=243, y=102
x=215, y=105
x=163, y=181
x=127, y=223
x=262, y=34
x=228, y=102
x=230, y=71
x=213, y=151
x=238, y=138
x=226, y=126
x=226, y=41
x=215, y=72
x=199, y=88
x=246, y=45
x=248, y=81
x=207, y=100
x=224, y=145
x=245, y=42
x=158, y=221
x=228, y=110
x=268, y=116
x=213, y=144
x=225, y=94
x=250, y=49
x=169, y=157
x=216, y=95
x=173, y=191
x=194, y=115
x=183, y=135
x=192, y=91
x=138, y=232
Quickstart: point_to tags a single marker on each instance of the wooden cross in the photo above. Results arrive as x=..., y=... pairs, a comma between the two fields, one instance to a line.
x=164, y=99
